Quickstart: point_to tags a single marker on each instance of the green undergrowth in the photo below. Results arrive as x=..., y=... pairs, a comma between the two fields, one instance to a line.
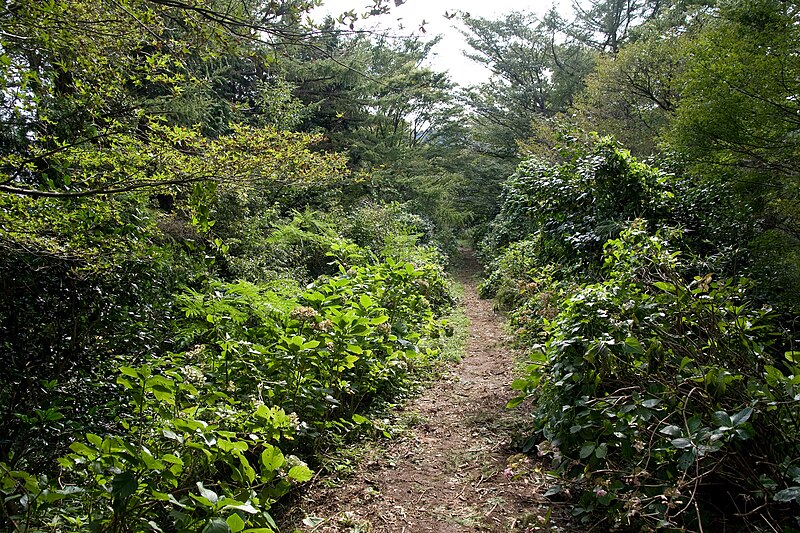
x=661, y=393
x=264, y=381
x=386, y=420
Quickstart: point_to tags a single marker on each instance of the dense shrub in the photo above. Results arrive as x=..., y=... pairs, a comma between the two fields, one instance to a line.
x=649, y=390
x=570, y=209
x=325, y=355
x=173, y=357
x=262, y=373
x=663, y=385
x=382, y=228
x=74, y=292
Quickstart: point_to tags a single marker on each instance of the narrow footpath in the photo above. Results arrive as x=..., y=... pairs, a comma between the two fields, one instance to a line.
x=454, y=470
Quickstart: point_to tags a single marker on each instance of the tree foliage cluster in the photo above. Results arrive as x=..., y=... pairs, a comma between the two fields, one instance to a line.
x=654, y=380
x=221, y=234
x=541, y=66
x=223, y=231
x=656, y=289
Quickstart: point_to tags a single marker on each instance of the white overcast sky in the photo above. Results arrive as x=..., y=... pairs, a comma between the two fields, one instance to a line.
x=448, y=53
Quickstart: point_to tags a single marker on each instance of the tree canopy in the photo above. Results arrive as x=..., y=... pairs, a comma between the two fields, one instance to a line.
x=224, y=230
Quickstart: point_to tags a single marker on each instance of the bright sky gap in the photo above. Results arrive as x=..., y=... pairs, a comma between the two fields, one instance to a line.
x=448, y=54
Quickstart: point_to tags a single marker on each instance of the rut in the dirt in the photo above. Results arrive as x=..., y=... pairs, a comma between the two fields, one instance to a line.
x=450, y=473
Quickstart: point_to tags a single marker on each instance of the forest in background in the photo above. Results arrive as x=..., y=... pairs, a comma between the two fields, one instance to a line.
x=225, y=231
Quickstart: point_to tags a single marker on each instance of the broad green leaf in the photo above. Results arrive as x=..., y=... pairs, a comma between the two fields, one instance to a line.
x=296, y=342
x=263, y=412
x=360, y=330
x=632, y=345
x=773, y=375
x=82, y=449
x=235, y=446
x=721, y=419
x=169, y=458
x=587, y=450
x=149, y=461
x=123, y=486
x=666, y=287
x=272, y=458
x=161, y=382
x=742, y=416
x=160, y=496
x=128, y=371
x=687, y=459
x=125, y=382
x=787, y=495
x=52, y=497
x=519, y=384
x=247, y=470
x=216, y=525
x=601, y=451
x=681, y=443
x=239, y=506
x=208, y=494
x=235, y=523
x=163, y=394
x=270, y=521
x=301, y=473
x=514, y=402
x=314, y=296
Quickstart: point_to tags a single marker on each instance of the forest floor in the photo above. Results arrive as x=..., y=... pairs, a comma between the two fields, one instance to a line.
x=454, y=468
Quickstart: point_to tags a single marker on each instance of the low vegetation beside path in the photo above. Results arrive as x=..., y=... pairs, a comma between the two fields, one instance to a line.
x=663, y=386
x=225, y=227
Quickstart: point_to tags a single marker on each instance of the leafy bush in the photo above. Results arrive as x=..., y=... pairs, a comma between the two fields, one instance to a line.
x=518, y=273
x=658, y=373
x=190, y=458
x=379, y=227
x=347, y=340
x=88, y=280
x=264, y=246
x=569, y=210
x=262, y=373
x=651, y=390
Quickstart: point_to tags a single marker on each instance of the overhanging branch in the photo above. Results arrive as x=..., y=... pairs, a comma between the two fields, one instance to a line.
x=100, y=191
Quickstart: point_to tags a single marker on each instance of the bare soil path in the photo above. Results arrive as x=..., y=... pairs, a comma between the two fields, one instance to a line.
x=455, y=469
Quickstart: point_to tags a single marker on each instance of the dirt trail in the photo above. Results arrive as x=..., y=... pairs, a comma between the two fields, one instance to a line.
x=454, y=470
